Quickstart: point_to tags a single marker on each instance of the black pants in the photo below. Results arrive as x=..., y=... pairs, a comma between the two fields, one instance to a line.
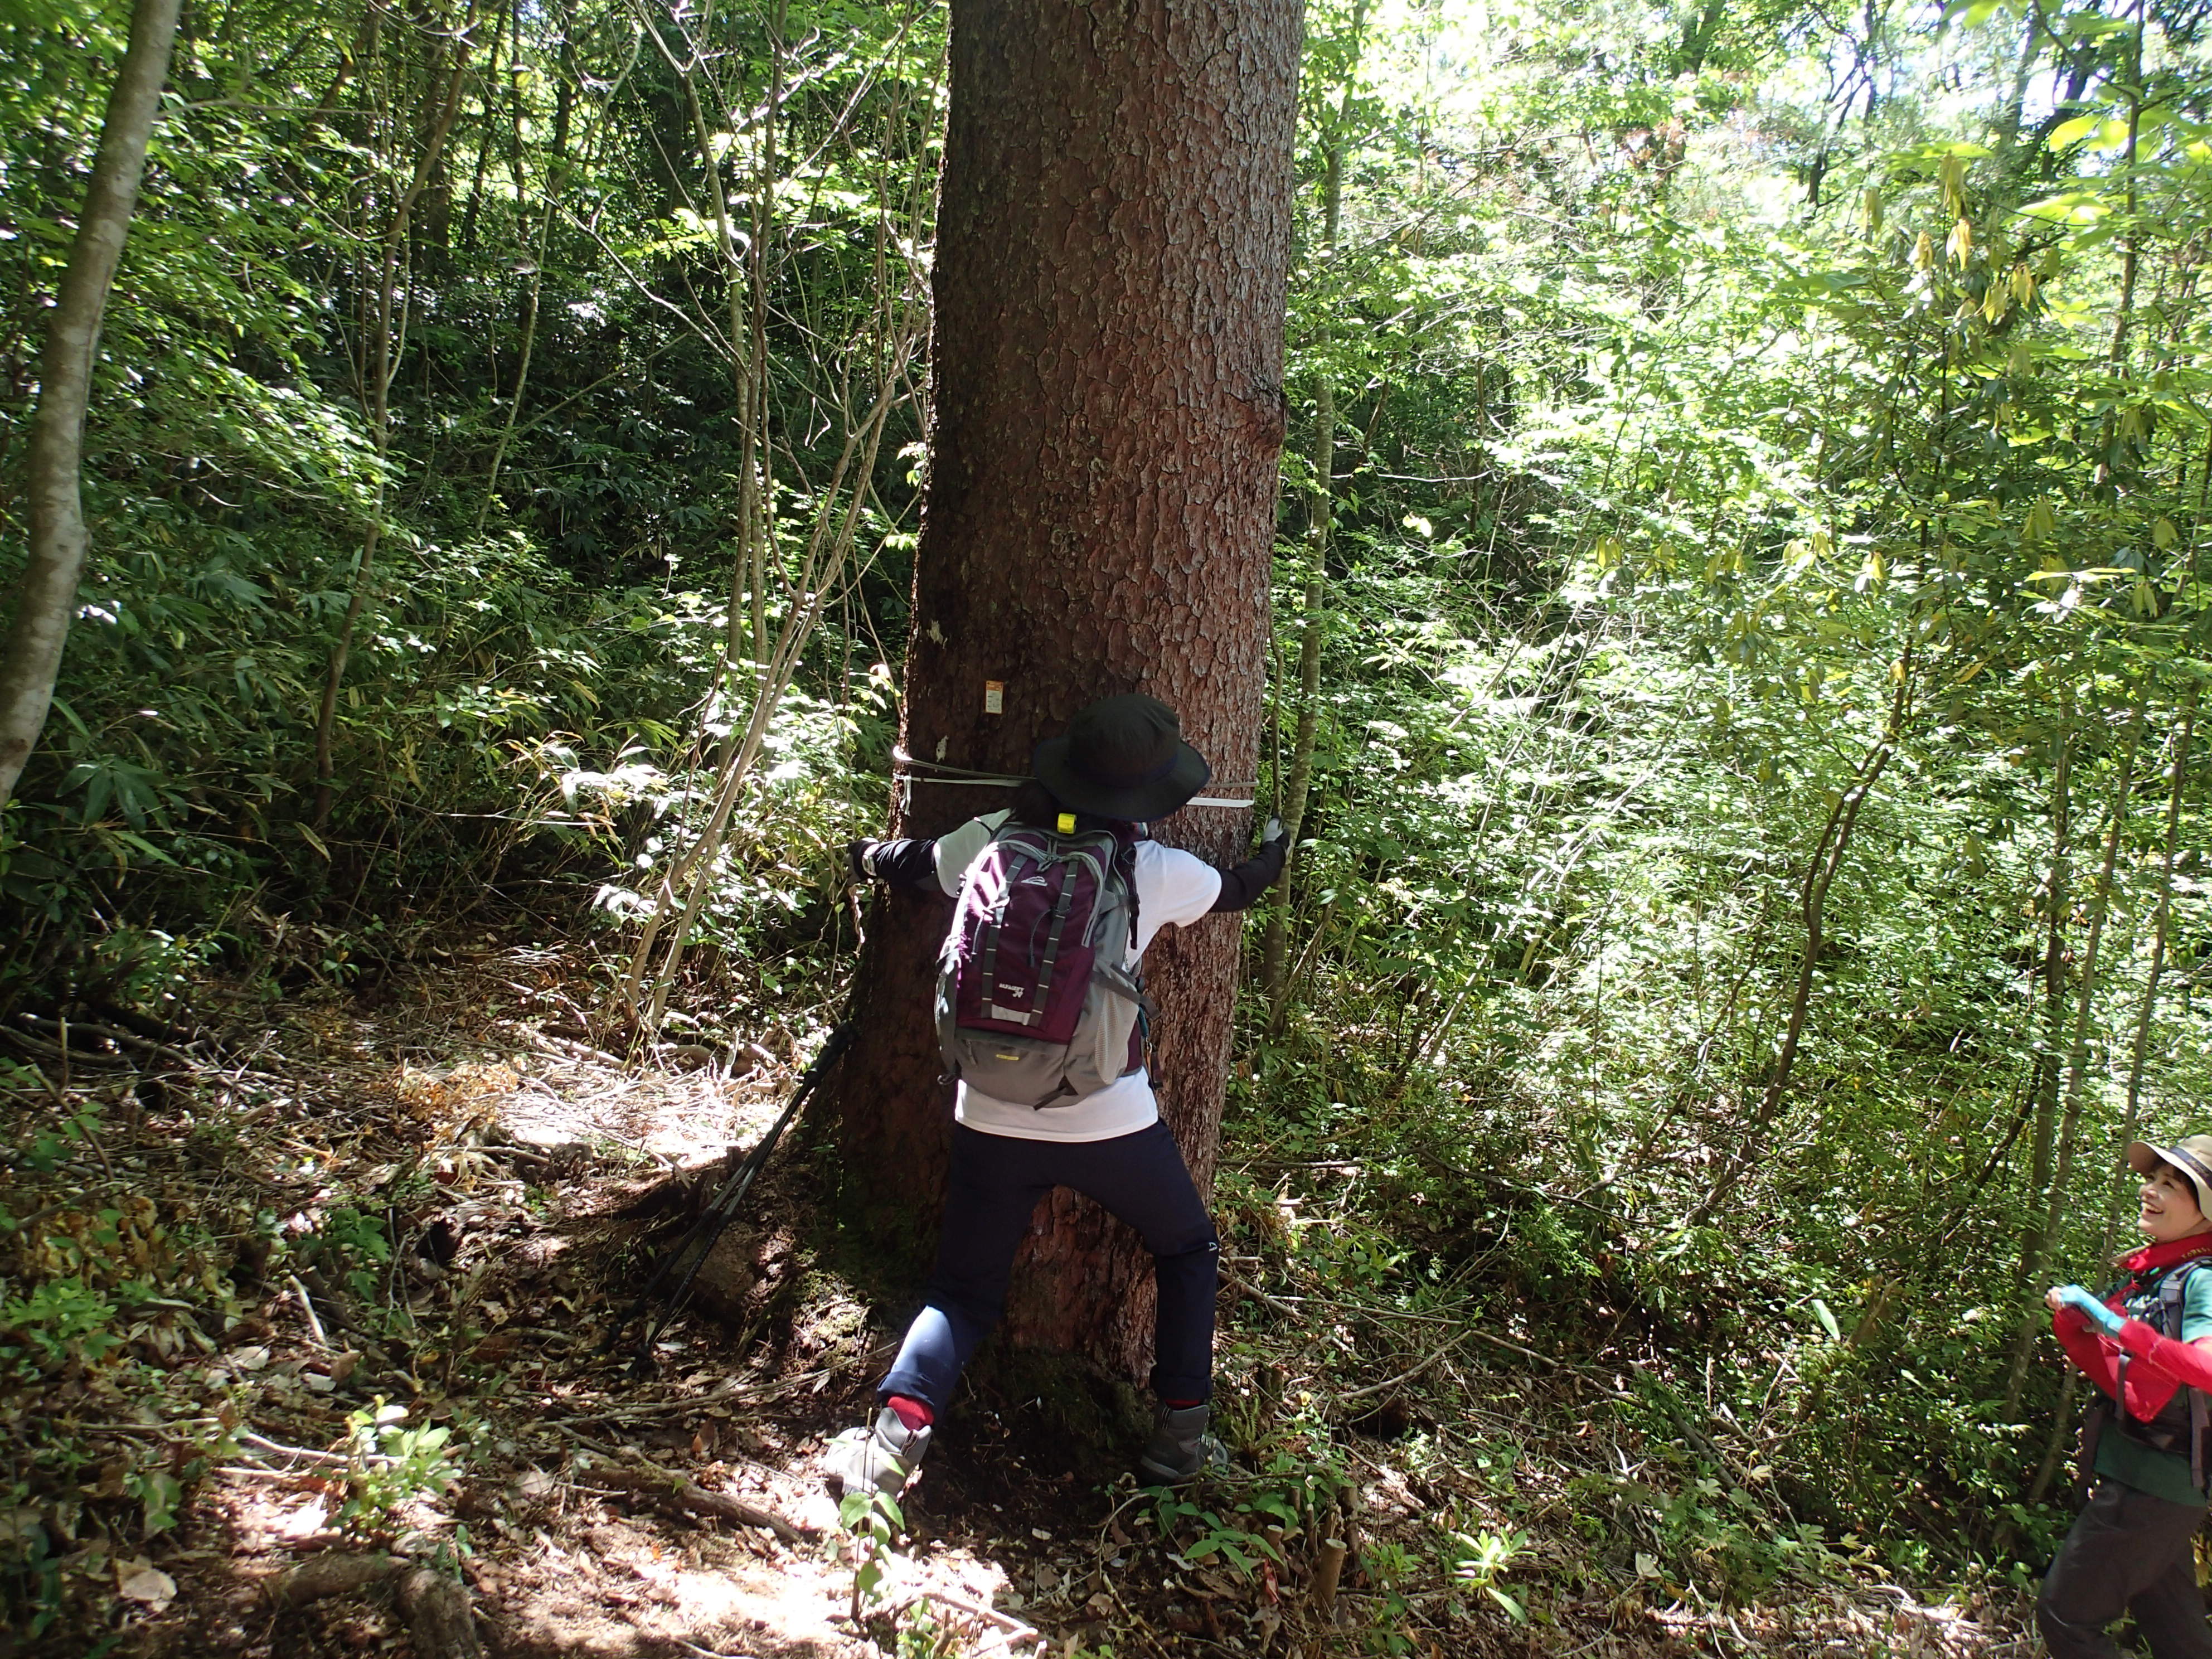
x=2129, y=1552
x=995, y=1185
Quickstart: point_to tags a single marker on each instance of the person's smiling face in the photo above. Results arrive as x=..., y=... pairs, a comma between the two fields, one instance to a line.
x=2169, y=1207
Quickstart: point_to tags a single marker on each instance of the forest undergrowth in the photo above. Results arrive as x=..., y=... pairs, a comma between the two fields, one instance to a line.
x=314, y=1295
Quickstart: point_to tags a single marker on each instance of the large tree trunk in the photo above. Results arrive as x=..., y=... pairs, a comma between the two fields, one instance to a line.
x=1113, y=239
x=47, y=597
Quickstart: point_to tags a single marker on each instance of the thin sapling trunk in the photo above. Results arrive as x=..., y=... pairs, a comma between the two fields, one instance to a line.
x=45, y=598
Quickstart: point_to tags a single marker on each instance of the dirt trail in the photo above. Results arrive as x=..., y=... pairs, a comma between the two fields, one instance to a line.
x=386, y=1244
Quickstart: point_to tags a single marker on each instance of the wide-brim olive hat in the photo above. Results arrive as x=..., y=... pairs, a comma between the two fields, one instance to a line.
x=2192, y=1156
x=1121, y=757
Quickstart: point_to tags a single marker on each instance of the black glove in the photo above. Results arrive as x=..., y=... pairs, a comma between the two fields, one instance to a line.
x=861, y=859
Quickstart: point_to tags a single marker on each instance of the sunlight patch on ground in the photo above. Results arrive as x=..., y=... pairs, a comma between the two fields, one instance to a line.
x=550, y=1102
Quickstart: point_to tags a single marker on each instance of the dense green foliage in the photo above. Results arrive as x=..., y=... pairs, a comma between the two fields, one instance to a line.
x=1761, y=619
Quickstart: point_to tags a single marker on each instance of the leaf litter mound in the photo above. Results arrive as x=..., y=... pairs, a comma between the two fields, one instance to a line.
x=305, y=1352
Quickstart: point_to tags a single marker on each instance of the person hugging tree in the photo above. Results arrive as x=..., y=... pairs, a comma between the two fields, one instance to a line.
x=2147, y=1346
x=1043, y=1017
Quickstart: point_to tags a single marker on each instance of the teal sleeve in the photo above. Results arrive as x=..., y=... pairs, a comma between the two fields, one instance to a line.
x=2196, y=1306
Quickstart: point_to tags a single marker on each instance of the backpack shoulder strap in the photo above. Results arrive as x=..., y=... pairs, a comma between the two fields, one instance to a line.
x=2173, y=1293
x=1125, y=866
x=2173, y=1296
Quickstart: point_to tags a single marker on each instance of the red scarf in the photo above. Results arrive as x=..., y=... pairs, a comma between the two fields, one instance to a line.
x=2154, y=1258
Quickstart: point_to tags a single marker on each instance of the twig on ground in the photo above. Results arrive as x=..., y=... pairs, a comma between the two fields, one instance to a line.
x=1245, y=1287
x=300, y=1452
x=635, y=1473
x=1481, y=1335
x=1408, y=1376
x=307, y=1308
x=38, y=1045
x=121, y=1038
x=1014, y=1629
x=53, y=1092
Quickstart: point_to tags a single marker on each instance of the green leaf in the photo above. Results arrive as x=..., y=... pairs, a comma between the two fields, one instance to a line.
x=1827, y=1320
x=2071, y=132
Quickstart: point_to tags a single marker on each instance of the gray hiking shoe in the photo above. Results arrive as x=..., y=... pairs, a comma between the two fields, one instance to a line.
x=881, y=1457
x=1181, y=1449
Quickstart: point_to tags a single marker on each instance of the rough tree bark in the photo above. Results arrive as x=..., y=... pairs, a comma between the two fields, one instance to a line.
x=1114, y=234
x=46, y=598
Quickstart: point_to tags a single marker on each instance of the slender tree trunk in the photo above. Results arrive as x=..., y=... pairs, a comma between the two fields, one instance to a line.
x=2008, y=117
x=1812, y=909
x=483, y=143
x=45, y=598
x=381, y=371
x=823, y=572
x=1274, y=952
x=2131, y=247
x=2077, y=1066
x=1274, y=946
x=757, y=486
x=2131, y=258
x=522, y=367
x=1106, y=413
x=556, y=162
x=2077, y=1049
x=2054, y=1448
x=2058, y=897
x=2159, y=927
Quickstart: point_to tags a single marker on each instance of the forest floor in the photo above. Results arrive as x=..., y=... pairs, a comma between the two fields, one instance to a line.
x=430, y=1204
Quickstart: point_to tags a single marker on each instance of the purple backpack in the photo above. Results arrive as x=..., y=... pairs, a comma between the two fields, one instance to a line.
x=1035, y=1005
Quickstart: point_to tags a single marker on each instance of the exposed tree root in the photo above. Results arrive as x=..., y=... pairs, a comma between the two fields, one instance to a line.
x=438, y=1612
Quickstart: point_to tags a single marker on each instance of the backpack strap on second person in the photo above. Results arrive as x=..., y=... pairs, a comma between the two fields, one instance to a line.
x=2172, y=1295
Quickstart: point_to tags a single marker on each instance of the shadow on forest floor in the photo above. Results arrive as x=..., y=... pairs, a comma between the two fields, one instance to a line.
x=430, y=1209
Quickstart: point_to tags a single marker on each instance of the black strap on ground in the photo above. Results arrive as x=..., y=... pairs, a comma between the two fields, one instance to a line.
x=682, y=1263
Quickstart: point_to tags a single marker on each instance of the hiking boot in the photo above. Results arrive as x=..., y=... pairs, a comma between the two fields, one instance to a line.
x=1181, y=1449
x=881, y=1457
